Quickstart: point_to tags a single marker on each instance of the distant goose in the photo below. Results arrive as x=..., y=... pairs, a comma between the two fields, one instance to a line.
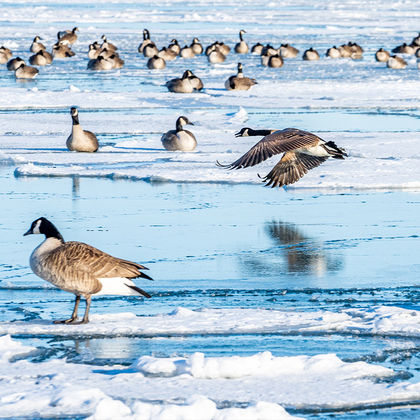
x=239, y=81
x=197, y=47
x=179, y=139
x=382, y=55
x=5, y=55
x=108, y=45
x=345, y=51
x=333, y=52
x=69, y=37
x=187, y=52
x=174, y=46
x=14, y=63
x=116, y=61
x=150, y=50
x=395, y=62
x=257, y=48
x=220, y=46
x=36, y=45
x=215, y=55
x=81, y=269
x=62, y=51
x=310, y=55
x=269, y=50
x=41, y=58
x=404, y=49
x=188, y=83
x=26, y=72
x=288, y=51
x=80, y=140
x=167, y=54
x=302, y=151
x=146, y=41
x=100, y=64
x=94, y=50
x=274, y=61
x=241, y=47
x=416, y=40
x=156, y=63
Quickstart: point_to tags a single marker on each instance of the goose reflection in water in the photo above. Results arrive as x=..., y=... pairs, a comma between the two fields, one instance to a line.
x=296, y=253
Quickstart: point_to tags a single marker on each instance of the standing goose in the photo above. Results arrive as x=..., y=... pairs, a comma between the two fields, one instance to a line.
x=382, y=55
x=41, y=58
x=239, y=81
x=179, y=139
x=197, y=47
x=25, y=72
x=36, y=45
x=67, y=37
x=81, y=269
x=146, y=41
x=80, y=140
x=302, y=151
x=241, y=47
x=14, y=63
x=310, y=55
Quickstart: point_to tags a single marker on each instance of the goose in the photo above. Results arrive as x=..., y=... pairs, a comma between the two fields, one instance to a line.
x=274, y=61
x=395, y=62
x=80, y=140
x=333, y=52
x=416, y=40
x=257, y=48
x=196, y=47
x=418, y=53
x=187, y=52
x=174, y=46
x=188, y=83
x=241, y=47
x=150, y=50
x=41, y=58
x=81, y=269
x=156, y=63
x=146, y=41
x=99, y=64
x=25, y=72
x=238, y=81
x=94, y=50
x=356, y=51
x=310, y=55
x=288, y=51
x=179, y=139
x=167, y=54
x=5, y=55
x=404, y=49
x=69, y=37
x=382, y=55
x=107, y=45
x=14, y=63
x=345, y=51
x=36, y=45
x=116, y=61
x=216, y=56
x=62, y=51
x=302, y=151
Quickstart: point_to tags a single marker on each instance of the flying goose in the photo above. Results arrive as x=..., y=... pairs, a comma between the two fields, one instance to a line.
x=81, y=269
x=41, y=58
x=382, y=55
x=80, y=140
x=179, y=139
x=395, y=62
x=14, y=63
x=310, y=55
x=241, y=47
x=302, y=151
x=239, y=81
x=156, y=63
x=188, y=83
x=67, y=37
x=25, y=72
x=197, y=47
x=36, y=45
x=333, y=52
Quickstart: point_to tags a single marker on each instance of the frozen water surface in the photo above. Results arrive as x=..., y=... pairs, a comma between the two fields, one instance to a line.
x=267, y=304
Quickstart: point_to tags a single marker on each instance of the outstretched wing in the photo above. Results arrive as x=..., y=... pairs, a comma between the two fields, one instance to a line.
x=291, y=168
x=278, y=142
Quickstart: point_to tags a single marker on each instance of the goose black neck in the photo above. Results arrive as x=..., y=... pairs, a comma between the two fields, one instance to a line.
x=179, y=125
x=50, y=231
x=259, y=132
x=240, y=36
x=75, y=119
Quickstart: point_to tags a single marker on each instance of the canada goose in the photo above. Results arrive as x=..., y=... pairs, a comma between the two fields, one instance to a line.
x=239, y=82
x=116, y=61
x=167, y=54
x=188, y=83
x=3, y=58
x=382, y=55
x=257, y=48
x=288, y=51
x=174, y=46
x=241, y=47
x=275, y=61
x=179, y=139
x=107, y=45
x=80, y=140
x=41, y=58
x=94, y=50
x=81, y=269
x=418, y=53
x=150, y=50
x=216, y=56
x=333, y=52
x=14, y=63
x=26, y=72
x=302, y=151
x=62, y=51
x=269, y=50
x=395, y=62
x=69, y=37
x=105, y=53
x=5, y=55
x=146, y=41
x=404, y=49
x=416, y=40
x=187, y=52
x=310, y=55
x=36, y=45
x=100, y=63
x=345, y=51
x=197, y=47
x=156, y=63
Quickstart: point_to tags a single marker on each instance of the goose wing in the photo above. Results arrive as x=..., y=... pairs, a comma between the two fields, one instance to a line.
x=278, y=142
x=291, y=167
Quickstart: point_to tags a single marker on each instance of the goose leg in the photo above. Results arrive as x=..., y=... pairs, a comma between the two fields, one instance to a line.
x=85, y=319
x=73, y=315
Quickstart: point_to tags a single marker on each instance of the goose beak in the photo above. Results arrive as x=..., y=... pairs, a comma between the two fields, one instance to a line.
x=29, y=232
x=238, y=134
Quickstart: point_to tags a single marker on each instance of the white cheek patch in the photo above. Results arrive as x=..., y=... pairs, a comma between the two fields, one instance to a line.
x=36, y=230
